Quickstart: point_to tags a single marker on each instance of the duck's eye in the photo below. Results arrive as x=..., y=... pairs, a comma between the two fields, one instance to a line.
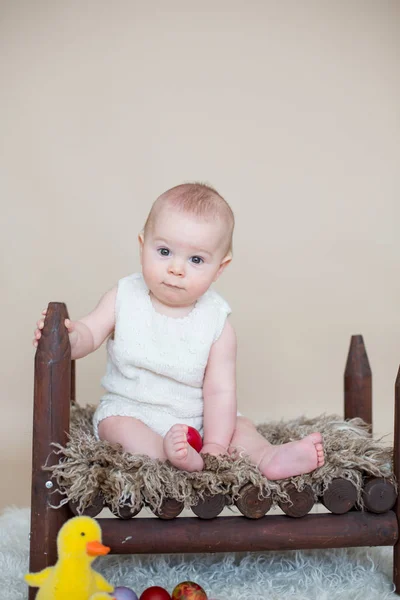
x=83, y=533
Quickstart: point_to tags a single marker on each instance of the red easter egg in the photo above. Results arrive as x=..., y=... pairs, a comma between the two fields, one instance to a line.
x=188, y=590
x=155, y=593
x=194, y=438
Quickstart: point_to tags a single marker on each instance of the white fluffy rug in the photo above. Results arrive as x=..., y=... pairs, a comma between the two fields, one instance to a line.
x=356, y=574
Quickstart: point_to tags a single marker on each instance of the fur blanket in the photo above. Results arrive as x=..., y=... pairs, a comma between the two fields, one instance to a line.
x=86, y=467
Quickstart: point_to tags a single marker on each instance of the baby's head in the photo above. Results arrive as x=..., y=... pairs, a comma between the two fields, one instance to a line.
x=186, y=243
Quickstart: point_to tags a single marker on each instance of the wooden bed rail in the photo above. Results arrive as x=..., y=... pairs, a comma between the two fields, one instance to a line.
x=238, y=534
x=54, y=388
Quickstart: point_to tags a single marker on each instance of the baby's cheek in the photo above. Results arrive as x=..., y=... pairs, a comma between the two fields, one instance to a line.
x=202, y=284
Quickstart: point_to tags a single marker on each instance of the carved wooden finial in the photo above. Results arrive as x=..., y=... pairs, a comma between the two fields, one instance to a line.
x=358, y=382
x=54, y=344
x=397, y=383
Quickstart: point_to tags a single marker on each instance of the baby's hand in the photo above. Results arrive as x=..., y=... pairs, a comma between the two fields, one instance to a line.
x=73, y=334
x=70, y=325
x=214, y=449
x=38, y=330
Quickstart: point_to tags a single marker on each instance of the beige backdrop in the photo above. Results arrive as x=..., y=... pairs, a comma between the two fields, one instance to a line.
x=290, y=109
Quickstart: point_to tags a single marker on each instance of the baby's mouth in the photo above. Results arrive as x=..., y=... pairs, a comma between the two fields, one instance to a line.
x=174, y=287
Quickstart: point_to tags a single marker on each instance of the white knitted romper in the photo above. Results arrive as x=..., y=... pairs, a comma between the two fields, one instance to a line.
x=156, y=363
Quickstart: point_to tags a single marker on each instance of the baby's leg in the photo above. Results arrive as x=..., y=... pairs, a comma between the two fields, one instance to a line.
x=133, y=435
x=179, y=452
x=137, y=438
x=278, y=462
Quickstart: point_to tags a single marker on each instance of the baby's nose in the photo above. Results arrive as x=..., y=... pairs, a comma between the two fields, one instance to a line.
x=177, y=268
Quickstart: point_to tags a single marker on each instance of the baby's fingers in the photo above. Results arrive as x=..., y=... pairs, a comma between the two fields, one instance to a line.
x=37, y=335
x=39, y=326
x=69, y=325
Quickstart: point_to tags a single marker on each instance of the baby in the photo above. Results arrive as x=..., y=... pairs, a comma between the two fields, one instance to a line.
x=172, y=349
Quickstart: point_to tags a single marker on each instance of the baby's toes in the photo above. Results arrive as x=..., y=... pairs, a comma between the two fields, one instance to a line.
x=179, y=429
x=316, y=438
x=179, y=434
x=181, y=452
x=320, y=454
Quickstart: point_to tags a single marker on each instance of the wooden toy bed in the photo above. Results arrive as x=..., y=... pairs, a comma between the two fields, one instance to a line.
x=253, y=530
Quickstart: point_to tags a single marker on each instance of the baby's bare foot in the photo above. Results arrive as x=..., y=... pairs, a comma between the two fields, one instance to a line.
x=293, y=458
x=179, y=452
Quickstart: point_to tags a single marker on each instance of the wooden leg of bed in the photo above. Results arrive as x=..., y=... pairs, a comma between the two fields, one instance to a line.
x=52, y=393
x=43, y=537
x=396, y=465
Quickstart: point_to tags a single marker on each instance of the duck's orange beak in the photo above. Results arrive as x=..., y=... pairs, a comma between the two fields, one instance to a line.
x=97, y=549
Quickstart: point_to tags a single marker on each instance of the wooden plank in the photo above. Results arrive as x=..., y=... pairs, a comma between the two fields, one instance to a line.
x=238, y=534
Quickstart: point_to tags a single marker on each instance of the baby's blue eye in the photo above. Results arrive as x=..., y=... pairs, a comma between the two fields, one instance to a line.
x=197, y=260
x=163, y=251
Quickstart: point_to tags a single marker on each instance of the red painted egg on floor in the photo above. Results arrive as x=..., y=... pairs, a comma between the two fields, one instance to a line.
x=188, y=590
x=155, y=593
x=194, y=438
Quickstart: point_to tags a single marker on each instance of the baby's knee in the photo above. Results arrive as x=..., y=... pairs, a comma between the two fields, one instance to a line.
x=109, y=427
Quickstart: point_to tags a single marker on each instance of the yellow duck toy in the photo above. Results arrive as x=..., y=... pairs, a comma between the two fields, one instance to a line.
x=72, y=577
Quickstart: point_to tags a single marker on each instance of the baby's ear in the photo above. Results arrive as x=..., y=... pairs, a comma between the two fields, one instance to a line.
x=224, y=263
x=141, y=242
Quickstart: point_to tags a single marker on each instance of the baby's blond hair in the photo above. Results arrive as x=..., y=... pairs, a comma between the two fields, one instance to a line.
x=196, y=199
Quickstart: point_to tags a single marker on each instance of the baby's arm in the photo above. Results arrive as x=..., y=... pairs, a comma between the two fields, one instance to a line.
x=87, y=334
x=219, y=391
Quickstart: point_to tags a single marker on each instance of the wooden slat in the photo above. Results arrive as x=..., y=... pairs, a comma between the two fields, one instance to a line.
x=94, y=509
x=210, y=507
x=238, y=534
x=301, y=502
x=170, y=508
x=379, y=495
x=250, y=504
x=340, y=496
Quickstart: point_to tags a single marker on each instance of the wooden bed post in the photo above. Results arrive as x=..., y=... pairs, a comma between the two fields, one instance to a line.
x=396, y=469
x=52, y=390
x=358, y=382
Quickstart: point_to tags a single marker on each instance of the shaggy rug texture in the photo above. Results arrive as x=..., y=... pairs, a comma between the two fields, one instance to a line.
x=356, y=574
x=88, y=467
